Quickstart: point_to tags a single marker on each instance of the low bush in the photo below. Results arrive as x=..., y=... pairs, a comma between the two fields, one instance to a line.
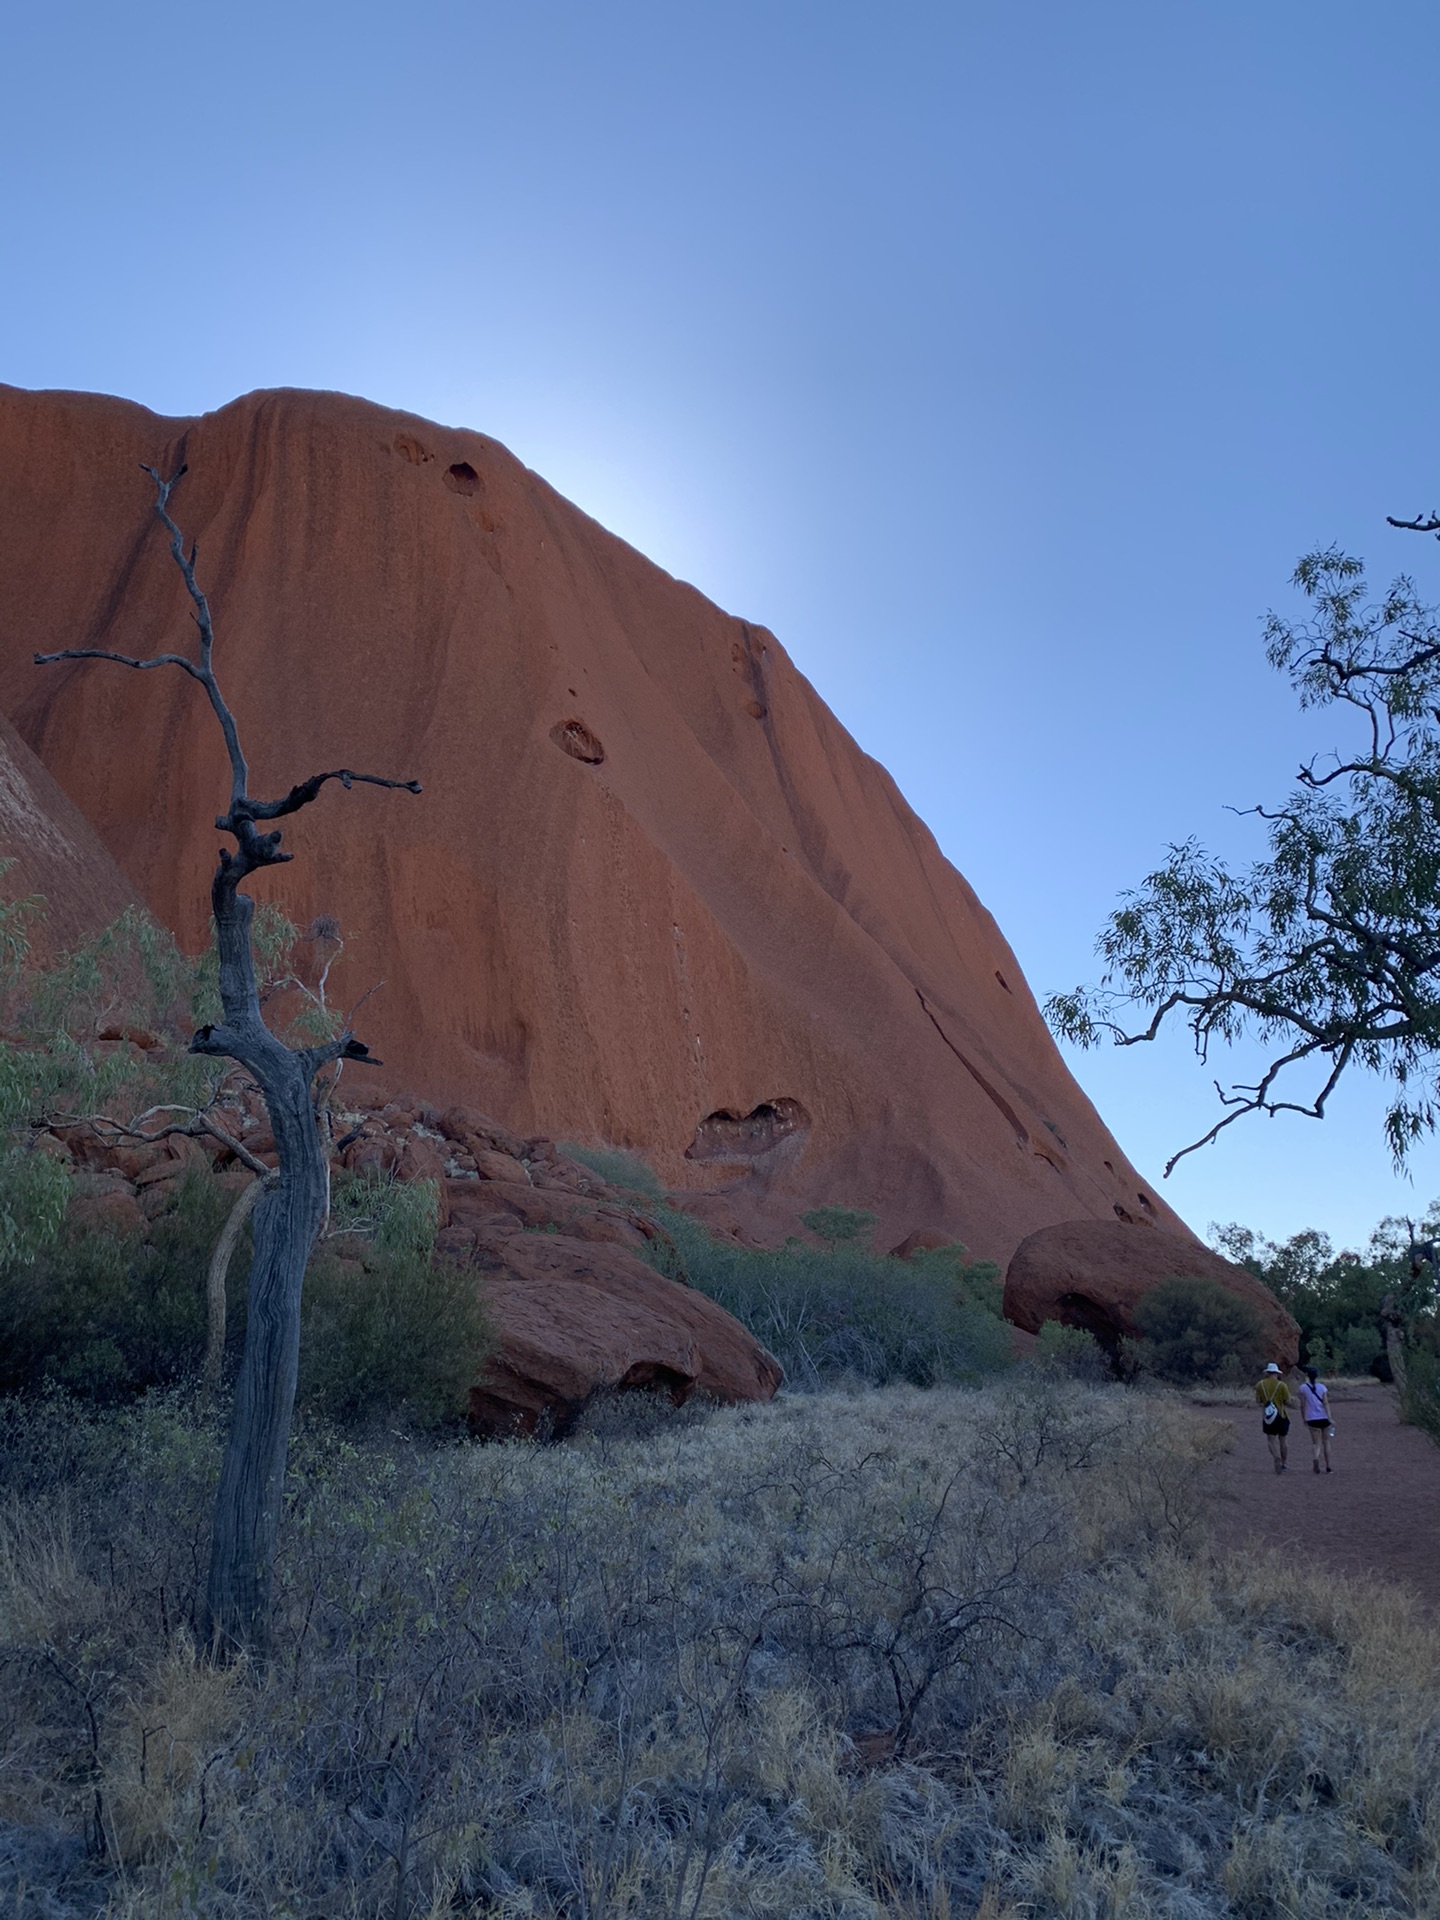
x=845, y=1312
x=1070, y=1353
x=617, y=1166
x=390, y=1333
x=1195, y=1329
x=110, y=1316
x=386, y=1331
x=847, y=1657
x=1420, y=1402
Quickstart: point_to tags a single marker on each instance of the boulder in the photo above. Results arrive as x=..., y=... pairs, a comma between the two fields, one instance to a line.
x=1092, y=1274
x=577, y=1318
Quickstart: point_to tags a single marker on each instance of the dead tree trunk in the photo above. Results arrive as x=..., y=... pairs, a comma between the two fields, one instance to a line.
x=289, y=1213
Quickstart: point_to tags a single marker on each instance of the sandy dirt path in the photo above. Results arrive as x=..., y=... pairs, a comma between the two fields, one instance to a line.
x=1377, y=1513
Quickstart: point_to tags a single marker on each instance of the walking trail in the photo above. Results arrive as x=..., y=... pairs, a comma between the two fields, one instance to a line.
x=1377, y=1513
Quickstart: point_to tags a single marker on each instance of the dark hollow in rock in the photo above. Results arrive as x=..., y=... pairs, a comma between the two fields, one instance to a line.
x=1078, y=1310
x=734, y=1136
x=576, y=739
x=462, y=478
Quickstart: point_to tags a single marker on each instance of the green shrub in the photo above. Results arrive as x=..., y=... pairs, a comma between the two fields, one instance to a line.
x=386, y=1330
x=1420, y=1403
x=617, y=1166
x=837, y=1225
x=847, y=1313
x=109, y=1316
x=392, y=1334
x=385, y=1333
x=1070, y=1353
x=399, y=1216
x=1196, y=1329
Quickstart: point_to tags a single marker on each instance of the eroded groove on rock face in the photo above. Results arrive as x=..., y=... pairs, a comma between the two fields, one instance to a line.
x=727, y=1135
x=1021, y=1131
x=576, y=739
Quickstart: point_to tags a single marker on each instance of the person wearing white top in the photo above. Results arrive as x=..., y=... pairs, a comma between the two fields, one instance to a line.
x=1315, y=1411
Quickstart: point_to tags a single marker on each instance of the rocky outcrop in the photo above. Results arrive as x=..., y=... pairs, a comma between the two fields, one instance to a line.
x=554, y=1248
x=653, y=894
x=1092, y=1273
x=577, y=1318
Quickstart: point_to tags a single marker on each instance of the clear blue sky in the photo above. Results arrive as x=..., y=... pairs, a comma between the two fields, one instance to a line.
x=1000, y=357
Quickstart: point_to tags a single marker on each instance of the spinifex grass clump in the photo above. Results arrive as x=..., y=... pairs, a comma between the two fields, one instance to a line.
x=850, y=1655
x=844, y=1312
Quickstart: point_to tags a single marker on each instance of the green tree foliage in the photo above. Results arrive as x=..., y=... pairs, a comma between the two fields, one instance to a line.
x=1195, y=1329
x=1336, y=1295
x=1327, y=949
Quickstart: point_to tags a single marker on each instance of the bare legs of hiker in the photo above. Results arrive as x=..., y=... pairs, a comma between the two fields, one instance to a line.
x=1319, y=1431
x=1278, y=1447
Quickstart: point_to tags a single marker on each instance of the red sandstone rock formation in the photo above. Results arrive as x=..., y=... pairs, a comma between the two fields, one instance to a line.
x=654, y=894
x=54, y=852
x=1092, y=1273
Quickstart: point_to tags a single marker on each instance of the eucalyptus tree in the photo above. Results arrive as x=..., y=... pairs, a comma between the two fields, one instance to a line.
x=1327, y=948
x=291, y=1208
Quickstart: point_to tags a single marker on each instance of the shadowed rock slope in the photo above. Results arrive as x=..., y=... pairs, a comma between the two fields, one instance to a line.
x=50, y=850
x=653, y=894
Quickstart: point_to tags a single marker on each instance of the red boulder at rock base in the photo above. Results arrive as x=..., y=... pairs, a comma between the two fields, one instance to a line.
x=1093, y=1274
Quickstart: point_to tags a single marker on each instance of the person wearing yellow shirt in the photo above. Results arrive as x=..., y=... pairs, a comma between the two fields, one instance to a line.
x=1273, y=1397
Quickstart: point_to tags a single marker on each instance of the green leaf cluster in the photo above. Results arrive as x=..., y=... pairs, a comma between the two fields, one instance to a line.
x=1326, y=949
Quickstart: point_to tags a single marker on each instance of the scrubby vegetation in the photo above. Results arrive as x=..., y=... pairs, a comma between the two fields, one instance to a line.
x=851, y=1655
x=843, y=1312
x=1195, y=1329
x=107, y=1314
x=388, y=1332
x=1337, y=1298
x=618, y=1167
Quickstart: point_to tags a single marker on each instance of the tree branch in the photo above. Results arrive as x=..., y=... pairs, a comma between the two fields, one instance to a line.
x=121, y=659
x=308, y=790
x=104, y=1127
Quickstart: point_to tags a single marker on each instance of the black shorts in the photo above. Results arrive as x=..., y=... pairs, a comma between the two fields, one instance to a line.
x=1280, y=1426
x=1317, y=1423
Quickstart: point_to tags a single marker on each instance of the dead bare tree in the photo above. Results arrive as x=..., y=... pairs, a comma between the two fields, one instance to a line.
x=289, y=1213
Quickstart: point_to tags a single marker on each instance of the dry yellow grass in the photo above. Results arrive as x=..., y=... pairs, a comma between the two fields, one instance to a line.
x=905, y=1654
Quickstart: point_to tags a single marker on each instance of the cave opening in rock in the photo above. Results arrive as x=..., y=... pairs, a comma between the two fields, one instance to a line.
x=1079, y=1310
x=728, y=1135
x=462, y=477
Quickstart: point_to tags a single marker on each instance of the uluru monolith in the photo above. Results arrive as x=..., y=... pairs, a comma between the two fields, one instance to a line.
x=657, y=896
